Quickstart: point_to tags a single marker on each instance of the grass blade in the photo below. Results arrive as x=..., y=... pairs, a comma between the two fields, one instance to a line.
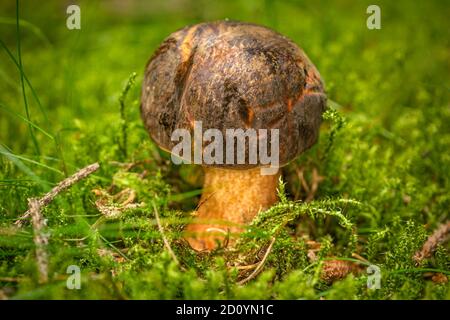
x=25, y=101
x=28, y=25
x=16, y=160
x=33, y=92
x=27, y=121
x=8, y=153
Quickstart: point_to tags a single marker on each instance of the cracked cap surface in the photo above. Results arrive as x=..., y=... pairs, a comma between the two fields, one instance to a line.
x=233, y=75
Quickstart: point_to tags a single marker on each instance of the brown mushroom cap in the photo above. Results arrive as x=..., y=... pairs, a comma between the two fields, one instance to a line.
x=232, y=75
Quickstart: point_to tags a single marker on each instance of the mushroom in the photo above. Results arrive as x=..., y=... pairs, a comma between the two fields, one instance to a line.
x=232, y=75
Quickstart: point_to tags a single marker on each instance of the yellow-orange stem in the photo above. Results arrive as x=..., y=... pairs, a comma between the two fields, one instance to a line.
x=230, y=201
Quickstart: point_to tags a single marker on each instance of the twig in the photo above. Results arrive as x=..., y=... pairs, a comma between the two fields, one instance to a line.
x=161, y=230
x=201, y=202
x=260, y=265
x=316, y=180
x=40, y=239
x=130, y=199
x=362, y=259
x=66, y=183
x=441, y=235
x=302, y=179
x=247, y=267
x=10, y=279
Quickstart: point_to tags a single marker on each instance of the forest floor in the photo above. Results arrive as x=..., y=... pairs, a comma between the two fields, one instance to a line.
x=354, y=209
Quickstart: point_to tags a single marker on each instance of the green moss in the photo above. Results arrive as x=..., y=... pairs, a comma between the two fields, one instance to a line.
x=382, y=155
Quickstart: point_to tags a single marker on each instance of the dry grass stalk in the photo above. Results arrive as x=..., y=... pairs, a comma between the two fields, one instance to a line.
x=112, y=206
x=161, y=230
x=441, y=235
x=315, y=181
x=260, y=265
x=40, y=239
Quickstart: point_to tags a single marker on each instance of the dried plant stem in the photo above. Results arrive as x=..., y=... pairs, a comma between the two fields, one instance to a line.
x=161, y=230
x=260, y=265
x=10, y=279
x=66, y=183
x=316, y=180
x=441, y=235
x=362, y=259
x=40, y=239
x=247, y=267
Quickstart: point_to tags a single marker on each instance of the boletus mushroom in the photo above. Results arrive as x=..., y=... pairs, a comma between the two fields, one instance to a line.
x=231, y=75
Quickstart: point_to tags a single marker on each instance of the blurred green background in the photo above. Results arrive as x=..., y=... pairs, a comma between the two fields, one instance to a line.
x=77, y=74
x=386, y=147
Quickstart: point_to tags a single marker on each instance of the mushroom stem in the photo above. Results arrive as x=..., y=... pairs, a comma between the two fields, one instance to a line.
x=230, y=200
